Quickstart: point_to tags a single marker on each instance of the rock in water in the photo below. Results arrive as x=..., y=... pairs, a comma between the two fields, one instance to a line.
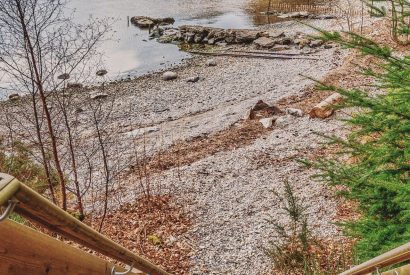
x=14, y=97
x=211, y=62
x=146, y=22
x=169, y=76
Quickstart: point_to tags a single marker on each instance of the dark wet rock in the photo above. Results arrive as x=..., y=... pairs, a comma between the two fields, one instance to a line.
x=101, y=72
x=63, y=76
x=189, y=37
x=14, y=97
x=156, y=33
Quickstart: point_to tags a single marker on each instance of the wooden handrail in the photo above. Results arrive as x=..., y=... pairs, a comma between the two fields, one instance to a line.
x=26, y=251
x=35, y=207
x=395, y=256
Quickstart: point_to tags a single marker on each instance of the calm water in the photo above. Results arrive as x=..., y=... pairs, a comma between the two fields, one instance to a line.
x=131, y=53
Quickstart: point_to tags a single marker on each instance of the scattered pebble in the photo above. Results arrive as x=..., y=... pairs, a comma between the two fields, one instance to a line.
x=211, y=63
x=169, y=76
x=193, y=79
x=294, y=112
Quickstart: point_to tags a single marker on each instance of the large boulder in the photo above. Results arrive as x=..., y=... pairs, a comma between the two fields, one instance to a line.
x=264, y=42
x=246, y=36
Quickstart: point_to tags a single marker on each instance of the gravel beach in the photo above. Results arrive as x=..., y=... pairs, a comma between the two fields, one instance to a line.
x=229, y=194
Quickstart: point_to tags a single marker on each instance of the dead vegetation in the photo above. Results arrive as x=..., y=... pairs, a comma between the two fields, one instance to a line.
x=186, y=152
x=153, y=229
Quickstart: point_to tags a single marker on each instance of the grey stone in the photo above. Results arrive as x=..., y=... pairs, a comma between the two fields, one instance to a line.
x=211, y=63
x=246, y=36
x=294, y=112
x=193, y=79
x=276, y=34
x=316, y=43
x=264, y=42
x=268, y=122
x=169, y=76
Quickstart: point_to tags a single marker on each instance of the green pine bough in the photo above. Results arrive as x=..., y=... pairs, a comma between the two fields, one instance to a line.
x=379, y=178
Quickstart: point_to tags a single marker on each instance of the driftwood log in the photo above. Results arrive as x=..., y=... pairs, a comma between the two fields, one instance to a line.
x=325, y=108
x=262, y=56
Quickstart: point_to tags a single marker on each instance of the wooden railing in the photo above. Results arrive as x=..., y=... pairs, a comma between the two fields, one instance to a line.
x=26, y=251
x=393, y=257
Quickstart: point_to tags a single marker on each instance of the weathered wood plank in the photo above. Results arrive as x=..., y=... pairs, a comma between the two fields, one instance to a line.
x=40, y=210
x=24, y=251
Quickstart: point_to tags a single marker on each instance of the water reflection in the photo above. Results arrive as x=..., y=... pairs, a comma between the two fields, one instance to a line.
x=130, y=52
x=259, y=9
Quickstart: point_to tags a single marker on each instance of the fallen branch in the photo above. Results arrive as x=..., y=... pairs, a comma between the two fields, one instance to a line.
x=273, y=53
x=251, y=55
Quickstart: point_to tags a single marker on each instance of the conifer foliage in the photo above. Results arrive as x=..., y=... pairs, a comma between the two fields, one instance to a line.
x=378, y=175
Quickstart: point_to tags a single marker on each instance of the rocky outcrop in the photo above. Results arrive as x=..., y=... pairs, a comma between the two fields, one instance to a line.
x=273, y=40
x=208, y=35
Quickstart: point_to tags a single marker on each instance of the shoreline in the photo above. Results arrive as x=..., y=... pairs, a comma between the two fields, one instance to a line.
x=228, y=192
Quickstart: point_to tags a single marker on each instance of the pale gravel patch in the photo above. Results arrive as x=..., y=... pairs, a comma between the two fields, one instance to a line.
x=231, y=198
